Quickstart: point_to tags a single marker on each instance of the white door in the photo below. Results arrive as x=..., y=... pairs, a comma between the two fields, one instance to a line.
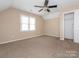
x=69, y=26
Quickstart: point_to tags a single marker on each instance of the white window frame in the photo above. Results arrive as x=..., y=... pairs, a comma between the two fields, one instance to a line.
x=28, y=24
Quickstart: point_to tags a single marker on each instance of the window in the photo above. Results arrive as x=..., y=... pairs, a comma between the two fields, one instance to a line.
x=28, y=23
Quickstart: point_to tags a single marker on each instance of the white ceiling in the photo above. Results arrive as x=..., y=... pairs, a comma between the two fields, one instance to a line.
x=4, y=4
x=28, y=5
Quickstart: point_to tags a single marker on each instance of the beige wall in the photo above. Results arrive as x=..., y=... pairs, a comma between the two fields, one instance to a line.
x=52, y=27
x=55, y=27
x=70, y=8
x=10, y=25
x=67, y=9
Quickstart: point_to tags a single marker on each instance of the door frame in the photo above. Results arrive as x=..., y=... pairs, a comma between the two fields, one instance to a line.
x=62, y=23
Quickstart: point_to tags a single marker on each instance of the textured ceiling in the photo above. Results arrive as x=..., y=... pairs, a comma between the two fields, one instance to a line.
x=28, y=5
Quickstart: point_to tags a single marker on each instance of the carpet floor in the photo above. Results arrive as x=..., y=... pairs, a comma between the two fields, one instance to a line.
x=40, y=47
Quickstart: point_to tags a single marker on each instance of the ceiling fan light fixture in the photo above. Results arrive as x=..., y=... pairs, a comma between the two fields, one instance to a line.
x=46, y=7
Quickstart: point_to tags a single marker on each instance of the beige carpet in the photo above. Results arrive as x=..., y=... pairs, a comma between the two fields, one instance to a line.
x=40, y=47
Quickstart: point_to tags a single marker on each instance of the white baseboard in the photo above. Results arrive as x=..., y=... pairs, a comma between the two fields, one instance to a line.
x=61, y=38
x=20, y=39
x=76, y=41
x=51, y=35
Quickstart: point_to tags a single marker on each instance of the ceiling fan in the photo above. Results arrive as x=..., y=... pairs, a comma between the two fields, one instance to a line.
x=46, y=7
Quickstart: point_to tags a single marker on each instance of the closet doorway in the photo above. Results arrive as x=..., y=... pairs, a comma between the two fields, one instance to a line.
x=69, y=26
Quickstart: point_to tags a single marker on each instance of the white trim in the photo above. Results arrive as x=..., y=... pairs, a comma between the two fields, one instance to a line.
x=61, y=38
x=69, y=11
x=62, y=26
x=20, y=39
x=76, y=42
x=52, y=35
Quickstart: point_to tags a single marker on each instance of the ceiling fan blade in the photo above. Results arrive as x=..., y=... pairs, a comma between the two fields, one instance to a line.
x=54, y=6
x=46, y=3
x=48, y=10
x=40, y=10
x=39, y=6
